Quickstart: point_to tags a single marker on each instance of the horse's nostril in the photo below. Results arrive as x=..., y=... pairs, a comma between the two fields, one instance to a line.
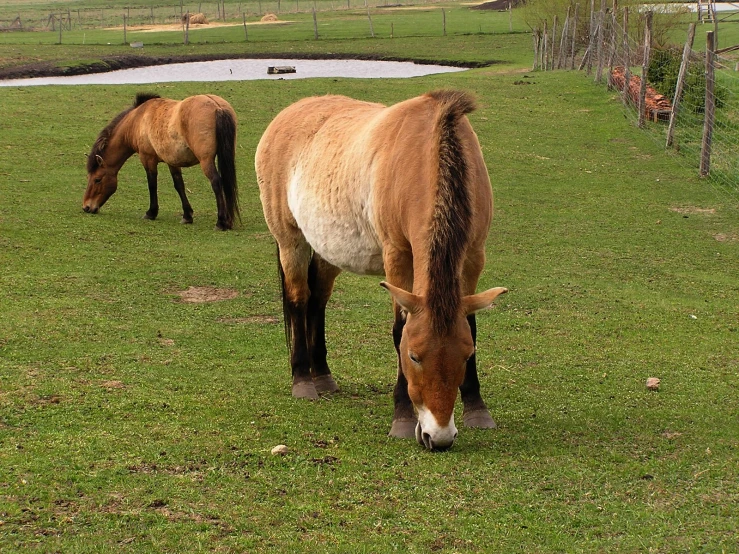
x=455, y=435
x=86, y=209
x=427, y=441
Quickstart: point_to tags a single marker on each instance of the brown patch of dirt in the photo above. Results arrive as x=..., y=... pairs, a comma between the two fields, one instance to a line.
x=693, y=210
x=269, y=319
x=722, y=237
x=198, y=295
x=112, y=385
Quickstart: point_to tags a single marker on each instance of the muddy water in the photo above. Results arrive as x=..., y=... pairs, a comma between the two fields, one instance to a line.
x=242, y=70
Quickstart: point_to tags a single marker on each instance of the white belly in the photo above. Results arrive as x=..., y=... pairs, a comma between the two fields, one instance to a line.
x=337, y=227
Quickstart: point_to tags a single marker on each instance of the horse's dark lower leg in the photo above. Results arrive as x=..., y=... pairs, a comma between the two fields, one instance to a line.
x=476, y=413
x=151, y=180
x=293, y=263
x=303, y=386
x=321, y=278
x=179, y=186
x=224, y=221
x=404, y=418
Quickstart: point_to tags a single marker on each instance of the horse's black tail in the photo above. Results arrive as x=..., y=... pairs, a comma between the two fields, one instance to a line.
x=226, y=153
x=285, y=307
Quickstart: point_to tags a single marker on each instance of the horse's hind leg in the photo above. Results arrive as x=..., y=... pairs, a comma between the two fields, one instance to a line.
x=179, y=186
x=294, y=260
x=209, y=170
x=151, y=180
x=321, y=277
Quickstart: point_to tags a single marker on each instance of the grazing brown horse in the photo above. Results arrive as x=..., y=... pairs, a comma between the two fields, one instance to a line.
x=400, y=190
x=198, y=129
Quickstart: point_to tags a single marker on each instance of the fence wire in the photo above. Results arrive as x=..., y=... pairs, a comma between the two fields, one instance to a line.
x=614, y=54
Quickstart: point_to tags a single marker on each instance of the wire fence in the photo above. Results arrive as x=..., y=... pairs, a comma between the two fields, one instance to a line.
x=102, y=18
x=684, y=98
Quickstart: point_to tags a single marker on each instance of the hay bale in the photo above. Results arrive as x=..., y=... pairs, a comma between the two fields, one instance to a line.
x=195, y=18
x=269, y=17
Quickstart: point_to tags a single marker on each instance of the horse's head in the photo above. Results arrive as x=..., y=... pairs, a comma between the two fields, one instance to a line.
x=434, y=363
x=102, y=182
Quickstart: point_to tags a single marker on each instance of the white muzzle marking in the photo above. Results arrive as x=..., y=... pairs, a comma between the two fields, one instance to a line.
x=432, y=435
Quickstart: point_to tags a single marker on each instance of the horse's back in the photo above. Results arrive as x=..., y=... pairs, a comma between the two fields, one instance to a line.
x=181, y=133
x=355, y=176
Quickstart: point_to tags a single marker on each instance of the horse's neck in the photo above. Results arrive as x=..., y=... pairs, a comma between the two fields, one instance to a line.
x=120, y=145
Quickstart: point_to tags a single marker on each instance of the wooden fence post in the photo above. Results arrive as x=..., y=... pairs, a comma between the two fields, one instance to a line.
x=680, y=83
x=554, y=39
x=574, y=35
x=591, y=38
x=710, y=108
x=124, y=29
x=372, y=31
x=443, y=17
x=627, y=59
x=601, y=45
x=612, y=43
x=187, y=28
x=315, y=24
x=246, y=33
x=644, y=69
x=563, y=42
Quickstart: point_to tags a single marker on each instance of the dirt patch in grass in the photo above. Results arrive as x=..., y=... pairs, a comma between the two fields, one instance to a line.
x=261, y=319
x=199, y=295
x=110, y=385
x=693, y=210
x=723, y=237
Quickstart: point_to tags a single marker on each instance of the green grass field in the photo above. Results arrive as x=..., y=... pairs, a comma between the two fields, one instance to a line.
x=131, y=421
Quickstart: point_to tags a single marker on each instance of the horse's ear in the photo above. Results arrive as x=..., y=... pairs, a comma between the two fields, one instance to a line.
x=410, y=302
x=100, y=160
x=482, y=300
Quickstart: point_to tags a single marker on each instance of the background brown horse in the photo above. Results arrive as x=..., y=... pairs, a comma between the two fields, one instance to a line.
x=181, y=134
x=400, y=190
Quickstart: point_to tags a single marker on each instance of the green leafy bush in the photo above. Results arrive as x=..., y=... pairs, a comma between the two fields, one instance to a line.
x=662, y=73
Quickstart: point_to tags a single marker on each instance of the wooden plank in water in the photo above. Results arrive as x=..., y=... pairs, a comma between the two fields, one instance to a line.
x=278, y=69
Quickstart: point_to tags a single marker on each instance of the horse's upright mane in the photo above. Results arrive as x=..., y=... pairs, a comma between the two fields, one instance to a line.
x=97, y=149
x=452, y=211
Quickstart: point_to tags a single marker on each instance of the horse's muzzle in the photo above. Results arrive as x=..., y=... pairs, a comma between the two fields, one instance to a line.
x=89, y=210
x=424, y=439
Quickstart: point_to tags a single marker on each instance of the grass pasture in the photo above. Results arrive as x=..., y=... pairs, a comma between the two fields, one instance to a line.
x=131, y=421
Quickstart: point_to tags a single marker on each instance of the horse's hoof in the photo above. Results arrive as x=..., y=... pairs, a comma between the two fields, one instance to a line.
x=186, y=221
x=403, y=428
x=479, y=419
x=305, y=389
x=149, y=216
x=325, y=384
x=220, y=228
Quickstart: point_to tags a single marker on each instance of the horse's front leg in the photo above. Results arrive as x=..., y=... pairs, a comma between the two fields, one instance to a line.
x=151, y=180
x=404, y=417
x=399, y=272
x=476, y=413
x=179, y=186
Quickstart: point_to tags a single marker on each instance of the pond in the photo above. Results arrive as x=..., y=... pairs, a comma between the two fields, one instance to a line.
x=242, y=70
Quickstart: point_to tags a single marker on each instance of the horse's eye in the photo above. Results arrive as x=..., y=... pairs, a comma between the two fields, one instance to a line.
x=98, y=179
x=414, y=358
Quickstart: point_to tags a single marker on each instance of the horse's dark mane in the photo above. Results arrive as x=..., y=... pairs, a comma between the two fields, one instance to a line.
x=452, y=212
x=102, y=140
